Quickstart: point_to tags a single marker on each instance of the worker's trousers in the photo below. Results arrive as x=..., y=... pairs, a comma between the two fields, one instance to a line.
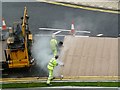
x=50, y=76
x=54, y=50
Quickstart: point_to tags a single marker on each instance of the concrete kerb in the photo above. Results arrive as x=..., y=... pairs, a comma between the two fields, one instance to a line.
x=65, y=79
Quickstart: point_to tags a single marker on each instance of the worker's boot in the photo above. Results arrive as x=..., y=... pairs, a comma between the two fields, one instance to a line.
x=38, y=77
x=52, y=78
x=49, y=84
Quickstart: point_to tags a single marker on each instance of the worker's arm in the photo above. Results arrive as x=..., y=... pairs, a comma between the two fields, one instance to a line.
x=56, y=42
x=55, y=63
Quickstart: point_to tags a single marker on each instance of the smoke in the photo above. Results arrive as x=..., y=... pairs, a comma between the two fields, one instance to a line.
x=41, y=51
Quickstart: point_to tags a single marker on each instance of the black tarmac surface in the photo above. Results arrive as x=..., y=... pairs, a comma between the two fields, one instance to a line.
x=48, y=15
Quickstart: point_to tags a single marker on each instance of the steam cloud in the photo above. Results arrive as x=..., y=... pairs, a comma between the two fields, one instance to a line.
x=41, y=51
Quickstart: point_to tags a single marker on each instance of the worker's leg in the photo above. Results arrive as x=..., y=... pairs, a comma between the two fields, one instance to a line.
x=50, y=76
x=55, y=52
x=52, y=50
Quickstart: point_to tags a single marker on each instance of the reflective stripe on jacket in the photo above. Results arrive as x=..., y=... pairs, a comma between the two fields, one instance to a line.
x=52, y=63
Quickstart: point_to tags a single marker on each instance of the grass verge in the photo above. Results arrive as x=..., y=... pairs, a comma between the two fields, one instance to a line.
x=41, y=84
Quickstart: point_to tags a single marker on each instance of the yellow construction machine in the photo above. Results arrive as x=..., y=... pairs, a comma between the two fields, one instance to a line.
x=19, y=43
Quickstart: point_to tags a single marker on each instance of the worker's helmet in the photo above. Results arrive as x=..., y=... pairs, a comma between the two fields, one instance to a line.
x=10, y=30
x=53, y=35
x=56, y=57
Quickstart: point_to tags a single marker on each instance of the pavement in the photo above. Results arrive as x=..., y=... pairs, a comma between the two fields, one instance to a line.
x=104, y=4
x=58, y=79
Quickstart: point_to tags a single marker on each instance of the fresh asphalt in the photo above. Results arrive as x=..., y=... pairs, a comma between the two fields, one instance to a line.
x=48, y=15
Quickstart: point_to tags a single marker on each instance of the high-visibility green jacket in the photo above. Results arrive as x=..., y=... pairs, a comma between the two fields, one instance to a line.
x=53, y=43
x=52, y=63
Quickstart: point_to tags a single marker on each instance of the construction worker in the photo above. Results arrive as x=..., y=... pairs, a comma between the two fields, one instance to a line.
x=10, y=39
x=53, y=45
x=52, y=63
